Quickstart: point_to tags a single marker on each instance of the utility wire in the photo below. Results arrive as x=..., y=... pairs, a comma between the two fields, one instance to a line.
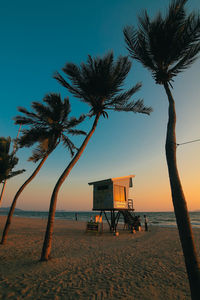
x=188, y=142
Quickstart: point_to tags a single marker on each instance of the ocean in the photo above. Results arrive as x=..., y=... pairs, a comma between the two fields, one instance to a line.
x=164, y=219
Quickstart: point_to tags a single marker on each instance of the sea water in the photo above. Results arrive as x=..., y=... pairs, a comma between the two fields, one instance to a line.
x=165, y=219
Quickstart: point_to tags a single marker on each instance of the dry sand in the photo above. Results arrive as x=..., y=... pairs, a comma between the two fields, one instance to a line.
x=145, y=265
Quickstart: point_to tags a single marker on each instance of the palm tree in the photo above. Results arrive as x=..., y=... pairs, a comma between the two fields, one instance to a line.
x=7, y=163
x=166, y=46
x=97, y=83
x=48, y=126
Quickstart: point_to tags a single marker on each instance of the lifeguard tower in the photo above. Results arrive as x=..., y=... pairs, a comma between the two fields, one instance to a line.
x=112, y=195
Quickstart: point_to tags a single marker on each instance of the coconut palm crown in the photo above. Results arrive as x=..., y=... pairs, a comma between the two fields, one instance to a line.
x=47, y=125
x=165, y=45
x=98, y=82
x=7, y=160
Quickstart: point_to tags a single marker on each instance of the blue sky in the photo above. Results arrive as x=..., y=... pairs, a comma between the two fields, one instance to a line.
x=37, y=39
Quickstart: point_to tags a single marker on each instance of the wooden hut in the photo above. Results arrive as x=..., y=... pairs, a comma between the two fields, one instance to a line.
x=111, y=195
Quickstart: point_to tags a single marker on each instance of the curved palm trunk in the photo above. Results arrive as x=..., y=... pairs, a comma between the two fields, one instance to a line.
x=52, y=209
x=3, y=190
x=179, y=202
x=12, y=208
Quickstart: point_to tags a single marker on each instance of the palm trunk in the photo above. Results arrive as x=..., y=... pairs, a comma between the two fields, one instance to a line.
x=3, y=190
x=12, y=208
x=179, y=202
x=52, y=209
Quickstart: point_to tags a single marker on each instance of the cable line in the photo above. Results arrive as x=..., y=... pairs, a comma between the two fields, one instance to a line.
x=188, y=142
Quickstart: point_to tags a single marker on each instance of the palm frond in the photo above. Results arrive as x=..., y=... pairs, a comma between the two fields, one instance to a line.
x=186, y=61
x=66, y=109
x=53, y=100
x=73, y=122
x=29, y=118
x=165, y=45
x=59, y=109
x=15, y=173
x=38, y=154
x=136, y=107
x=32, y=136
x=77, y=132
x=7, y=160
x=44, y=113
x=4, y=144
x=123, y=98
x=20, y=120
x=138, y=47
x=26, y=112
x=69, y=145
x=104, y=114
x=65, y=84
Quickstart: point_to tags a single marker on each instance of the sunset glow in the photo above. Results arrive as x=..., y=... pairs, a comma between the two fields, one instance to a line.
x=35, y=45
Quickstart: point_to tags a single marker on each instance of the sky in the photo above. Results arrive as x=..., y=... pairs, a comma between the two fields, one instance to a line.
x=39, y=38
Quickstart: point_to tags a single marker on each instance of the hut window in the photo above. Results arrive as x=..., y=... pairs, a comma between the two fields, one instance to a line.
x=119, y=193
x=102, y=187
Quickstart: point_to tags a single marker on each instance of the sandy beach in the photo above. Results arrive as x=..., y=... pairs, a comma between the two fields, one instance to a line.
x=145, y=265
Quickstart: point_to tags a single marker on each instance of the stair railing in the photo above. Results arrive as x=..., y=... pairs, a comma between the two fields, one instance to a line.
x=130, y=203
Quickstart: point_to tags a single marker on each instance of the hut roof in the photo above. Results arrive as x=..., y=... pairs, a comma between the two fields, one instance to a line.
x=111, y=179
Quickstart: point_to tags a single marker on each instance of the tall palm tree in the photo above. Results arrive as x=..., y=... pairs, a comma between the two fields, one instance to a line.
x=98, y=83
x=7, y=163
x=49, y=125
x=167, y=46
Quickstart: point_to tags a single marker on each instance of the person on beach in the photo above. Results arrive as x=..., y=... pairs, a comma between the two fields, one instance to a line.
x=139, y=224
x=139, y=221
x=76, y=216
x=146, y=223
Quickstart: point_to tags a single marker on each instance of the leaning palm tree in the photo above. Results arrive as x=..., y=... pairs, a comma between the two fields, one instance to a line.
x=167, y=46
x=49, y=124
x=8, y=161
x=97, y=83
